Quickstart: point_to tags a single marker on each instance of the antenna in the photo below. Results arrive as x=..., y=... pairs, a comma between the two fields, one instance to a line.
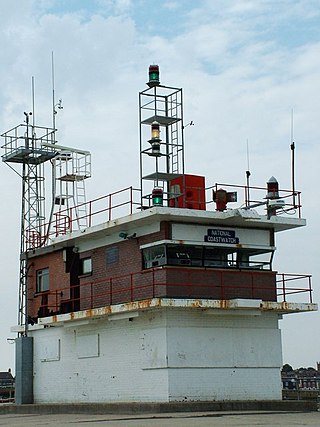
x=33, y=103
x=53, y=99
x=292, y=146
x=248, y=177
x=54, y=105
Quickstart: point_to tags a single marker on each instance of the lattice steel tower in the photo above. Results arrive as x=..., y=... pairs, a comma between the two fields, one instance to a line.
x=31, y=147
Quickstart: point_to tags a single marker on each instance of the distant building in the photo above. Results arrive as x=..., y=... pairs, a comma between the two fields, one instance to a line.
x=301, y=379
x=7, y=386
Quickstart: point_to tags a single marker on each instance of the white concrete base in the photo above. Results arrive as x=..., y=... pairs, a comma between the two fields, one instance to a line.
x=160, y=355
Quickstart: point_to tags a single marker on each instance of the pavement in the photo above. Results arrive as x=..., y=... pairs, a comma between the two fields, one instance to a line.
x=199, y=419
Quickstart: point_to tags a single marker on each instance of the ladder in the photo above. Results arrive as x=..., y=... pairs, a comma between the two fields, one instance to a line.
x=80, y=207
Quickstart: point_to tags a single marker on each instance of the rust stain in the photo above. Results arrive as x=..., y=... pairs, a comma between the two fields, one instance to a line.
x=107, y=310
x=224, y=303
x=138, y=304
x=197, y=304
x=286, y=306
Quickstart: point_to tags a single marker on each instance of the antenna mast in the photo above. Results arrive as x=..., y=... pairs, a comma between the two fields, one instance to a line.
x=53, y=95
x=248, y=176
x=292, y=146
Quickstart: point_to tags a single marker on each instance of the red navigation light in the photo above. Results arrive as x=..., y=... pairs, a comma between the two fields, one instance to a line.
x=272, y=189
x=222, y=198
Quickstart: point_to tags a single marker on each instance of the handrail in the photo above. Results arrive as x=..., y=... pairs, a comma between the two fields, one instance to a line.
x=287, y=277
x=66, y=220
x=283, y=194
x=131, y=287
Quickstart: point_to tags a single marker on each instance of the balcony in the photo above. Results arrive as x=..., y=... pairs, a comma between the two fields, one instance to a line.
x=174, y=283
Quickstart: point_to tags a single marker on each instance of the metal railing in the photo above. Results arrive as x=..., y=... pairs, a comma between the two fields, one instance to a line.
x=153, y=283
x=100, y=210
x=252, y=197
x=123, y=202
x=285, y=291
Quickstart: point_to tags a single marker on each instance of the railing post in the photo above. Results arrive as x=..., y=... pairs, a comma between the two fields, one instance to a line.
x=310, y=289
x=252, y=286
x=90, y=213
x=56, y=221
x=284, y=288
x=91, y=295
x=131, y=200
x=109, y=207
x=221, y=285
x=70, y=219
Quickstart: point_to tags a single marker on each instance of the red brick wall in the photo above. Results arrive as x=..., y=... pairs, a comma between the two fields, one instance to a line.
x=95, y=291
x=220, y=284
x=124, y=280
x=58, y=281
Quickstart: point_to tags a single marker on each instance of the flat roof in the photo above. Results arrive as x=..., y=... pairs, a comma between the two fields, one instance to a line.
x=242, y=218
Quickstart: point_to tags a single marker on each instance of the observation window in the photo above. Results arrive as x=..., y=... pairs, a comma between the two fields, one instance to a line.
x=184, y=255
x=207, y=256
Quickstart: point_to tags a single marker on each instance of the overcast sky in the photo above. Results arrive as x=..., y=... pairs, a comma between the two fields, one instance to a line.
x=243, y=65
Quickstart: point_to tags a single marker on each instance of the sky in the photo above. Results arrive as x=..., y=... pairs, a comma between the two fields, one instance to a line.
x=244, y=66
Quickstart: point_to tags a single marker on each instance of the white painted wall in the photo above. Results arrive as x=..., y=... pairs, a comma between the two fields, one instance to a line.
x=162, y=355
x=196, y=233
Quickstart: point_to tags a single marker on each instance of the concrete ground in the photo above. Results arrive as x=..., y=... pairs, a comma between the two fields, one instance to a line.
x=199, y=419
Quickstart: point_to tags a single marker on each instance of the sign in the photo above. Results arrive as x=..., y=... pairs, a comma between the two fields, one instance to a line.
x=215, y=235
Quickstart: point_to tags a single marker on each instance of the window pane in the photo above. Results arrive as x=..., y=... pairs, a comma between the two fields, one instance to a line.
x=43, y=280
x=216, y=257
x=86, y=265
x=154, y=256
x=184, y=255
x=112, y=255
x=254, y=259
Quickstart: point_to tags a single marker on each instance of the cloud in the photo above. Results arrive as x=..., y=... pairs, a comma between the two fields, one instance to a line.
x=243, y=66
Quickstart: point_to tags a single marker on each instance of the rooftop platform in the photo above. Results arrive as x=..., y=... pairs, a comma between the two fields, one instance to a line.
x=247, y=218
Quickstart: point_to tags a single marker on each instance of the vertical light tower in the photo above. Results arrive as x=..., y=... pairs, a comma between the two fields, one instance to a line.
x=25, y=146
x=162, y=155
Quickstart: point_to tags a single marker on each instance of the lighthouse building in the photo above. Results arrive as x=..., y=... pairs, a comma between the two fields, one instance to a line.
x=163, y=293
